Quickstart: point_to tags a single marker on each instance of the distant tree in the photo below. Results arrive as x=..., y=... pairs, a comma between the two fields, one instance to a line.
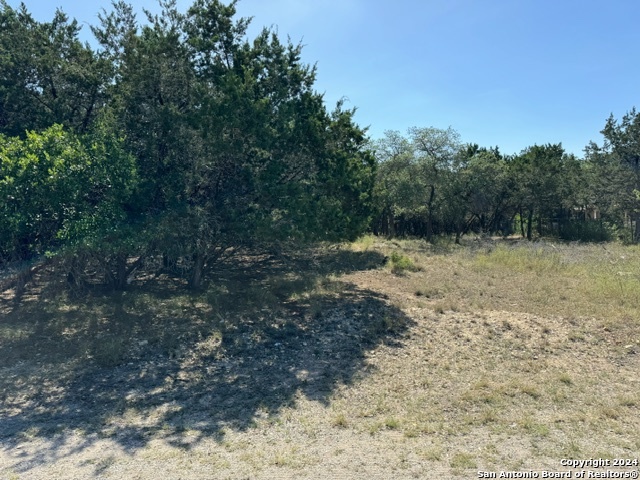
x=484, y=191
x=436, y=152
x=416, y=173
x=541, y=182
x=396, y=192
x=432, y=183
x=614, y=170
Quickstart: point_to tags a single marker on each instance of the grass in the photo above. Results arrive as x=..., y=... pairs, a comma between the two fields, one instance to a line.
x=507, y=332
x=387, y=356
x=399, y=263
x=462, y=460
x=579, y=278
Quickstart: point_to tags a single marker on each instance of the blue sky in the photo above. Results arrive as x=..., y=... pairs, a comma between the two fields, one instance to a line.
x=510, y=73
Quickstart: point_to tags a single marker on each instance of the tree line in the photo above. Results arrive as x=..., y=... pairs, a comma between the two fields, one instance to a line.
x=179, y=140
x=428, y=183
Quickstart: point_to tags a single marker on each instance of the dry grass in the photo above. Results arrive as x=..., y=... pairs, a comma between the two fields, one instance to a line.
x=377, y=359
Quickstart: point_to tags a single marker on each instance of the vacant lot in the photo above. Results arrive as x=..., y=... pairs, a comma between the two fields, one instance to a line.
x=372, y=360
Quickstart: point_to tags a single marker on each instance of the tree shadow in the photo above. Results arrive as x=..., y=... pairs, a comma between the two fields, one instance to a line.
x=142, y=365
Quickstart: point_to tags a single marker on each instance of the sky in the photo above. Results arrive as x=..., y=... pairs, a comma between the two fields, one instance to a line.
x=506, y=73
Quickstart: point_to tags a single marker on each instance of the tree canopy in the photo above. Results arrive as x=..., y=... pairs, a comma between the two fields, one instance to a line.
x=429, y=183
x=231, y=146
x=180, y=138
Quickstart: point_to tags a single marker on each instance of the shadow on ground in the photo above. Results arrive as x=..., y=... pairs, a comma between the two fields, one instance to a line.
x=157, y=363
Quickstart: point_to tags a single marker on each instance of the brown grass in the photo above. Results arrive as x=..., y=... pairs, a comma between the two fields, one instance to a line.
x=376, y=359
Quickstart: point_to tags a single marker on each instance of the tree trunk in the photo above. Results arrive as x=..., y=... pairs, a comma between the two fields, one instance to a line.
x=540, y=225
x=121, y=272
x=391, y=223
x=529, y=224
x=197, y=274
x=430, y=213
x=522, y=223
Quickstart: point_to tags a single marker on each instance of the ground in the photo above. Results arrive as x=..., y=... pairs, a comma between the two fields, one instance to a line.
x=375, y=359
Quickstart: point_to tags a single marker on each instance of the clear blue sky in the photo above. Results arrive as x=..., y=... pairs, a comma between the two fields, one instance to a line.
x=510, y=73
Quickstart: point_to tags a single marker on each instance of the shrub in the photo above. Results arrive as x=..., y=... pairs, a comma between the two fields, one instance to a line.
x=399, y=263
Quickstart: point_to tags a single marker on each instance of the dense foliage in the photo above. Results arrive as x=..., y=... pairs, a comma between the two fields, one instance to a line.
x=179, y=141
x=177, y=138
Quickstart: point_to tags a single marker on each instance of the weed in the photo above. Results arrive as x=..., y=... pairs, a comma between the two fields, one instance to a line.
x=363, y=243
x=627, y=401
x=340, y=421
x=432, y=454
x=392, y=423
x=530, y=390
x=375, y=427
x=610, y=412
x=532, y=427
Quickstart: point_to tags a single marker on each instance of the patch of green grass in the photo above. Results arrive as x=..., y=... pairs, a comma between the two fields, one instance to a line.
x=432, y=454
x=609, y=277
x=392, y=423
x=363, y=243
x=290, y=457
x=533, y=427
x=400, y=263
x=375, y=427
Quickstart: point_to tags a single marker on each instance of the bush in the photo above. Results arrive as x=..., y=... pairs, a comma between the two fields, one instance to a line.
x=399, y=263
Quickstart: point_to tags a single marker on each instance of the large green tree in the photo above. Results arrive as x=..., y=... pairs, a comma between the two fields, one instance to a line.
x=415, y=173
x=47, y=75
x=233, y=144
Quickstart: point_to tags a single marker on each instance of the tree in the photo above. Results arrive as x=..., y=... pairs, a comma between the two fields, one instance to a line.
x=47, y=75
x=414, y=175
x=394, y=191
x=436, y=154
x=59, y=188
x=480, y=192
x=540, y=173
x=233, y=145
x=614, y=170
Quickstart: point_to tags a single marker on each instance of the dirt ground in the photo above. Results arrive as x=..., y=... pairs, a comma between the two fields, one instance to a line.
x=339, y=367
